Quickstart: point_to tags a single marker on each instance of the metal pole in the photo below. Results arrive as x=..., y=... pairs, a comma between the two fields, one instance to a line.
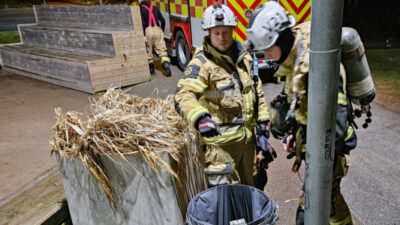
x=326, y=24
x=100, y=2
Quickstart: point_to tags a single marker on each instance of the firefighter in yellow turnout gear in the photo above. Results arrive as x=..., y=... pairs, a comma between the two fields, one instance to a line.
x=219, y=96
x=153, y=27
x=272, y=30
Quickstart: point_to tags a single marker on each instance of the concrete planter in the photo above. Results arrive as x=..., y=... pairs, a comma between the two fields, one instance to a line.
x=142, y=198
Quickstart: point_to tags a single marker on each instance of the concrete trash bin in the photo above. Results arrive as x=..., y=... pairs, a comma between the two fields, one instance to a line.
x=142, y=199
x=231, y=205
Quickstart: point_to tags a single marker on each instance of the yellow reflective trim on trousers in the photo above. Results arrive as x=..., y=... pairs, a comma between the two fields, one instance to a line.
x=165, y=59
x=347, y=220
x=342, y=99
x=227, y=135
x=193, y=83
x=194, y=113
x=350, y=132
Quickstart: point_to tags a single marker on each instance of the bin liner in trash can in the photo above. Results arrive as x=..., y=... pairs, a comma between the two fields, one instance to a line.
x=235, y=204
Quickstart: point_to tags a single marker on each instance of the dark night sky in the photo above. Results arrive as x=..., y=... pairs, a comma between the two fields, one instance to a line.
x=375, y=20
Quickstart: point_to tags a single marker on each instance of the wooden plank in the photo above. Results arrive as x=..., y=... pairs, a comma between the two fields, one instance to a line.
x=105, y=85
x=33, y=204
x=52, y=53
x=80, y=86
x=104, y=17
x=48, y=67
x=58, y=216
x=129, y=56
x=83, y=41
x=131, y=42
x=125, y=76
x=118, y=69
x=137, y=20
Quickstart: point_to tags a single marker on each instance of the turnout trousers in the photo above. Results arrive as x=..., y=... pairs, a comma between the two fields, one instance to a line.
x=230, y=164
x=155, y=39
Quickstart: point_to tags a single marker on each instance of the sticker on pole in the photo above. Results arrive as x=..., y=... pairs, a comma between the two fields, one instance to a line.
x=237, y=222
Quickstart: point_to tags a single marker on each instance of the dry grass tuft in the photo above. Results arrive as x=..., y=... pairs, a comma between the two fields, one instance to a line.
x=119, y=124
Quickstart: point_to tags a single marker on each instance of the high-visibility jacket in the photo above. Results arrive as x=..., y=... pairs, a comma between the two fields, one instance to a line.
x=213, y=84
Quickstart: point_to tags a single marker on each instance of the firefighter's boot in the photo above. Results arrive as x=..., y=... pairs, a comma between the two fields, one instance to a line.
x=151, y=67
x=166, y=65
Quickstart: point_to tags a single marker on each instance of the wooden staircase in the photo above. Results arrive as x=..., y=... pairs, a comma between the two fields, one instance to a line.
x=87, y=48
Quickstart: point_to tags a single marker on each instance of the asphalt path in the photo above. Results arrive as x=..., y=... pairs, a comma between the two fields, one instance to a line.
x=9, y=18
x=372, y=186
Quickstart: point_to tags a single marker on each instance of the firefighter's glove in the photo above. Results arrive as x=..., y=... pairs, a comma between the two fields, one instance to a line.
x=263, y=158
x=265, y=153
x=207, y=127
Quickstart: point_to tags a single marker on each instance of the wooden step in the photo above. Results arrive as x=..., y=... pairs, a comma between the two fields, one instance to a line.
x=42, y=201
x=79, y=71
x=96, y=17
x=90, y=41
x=58, y=67
x=87, y=48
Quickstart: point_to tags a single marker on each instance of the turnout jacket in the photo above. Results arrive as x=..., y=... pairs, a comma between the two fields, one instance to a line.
x=213, y=84
x=296, y=68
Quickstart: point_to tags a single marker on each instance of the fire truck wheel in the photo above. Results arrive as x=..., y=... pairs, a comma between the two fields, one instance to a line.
x=182, y=50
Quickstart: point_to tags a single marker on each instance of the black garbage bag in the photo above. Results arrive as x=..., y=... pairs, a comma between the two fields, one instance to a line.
x=235, y=204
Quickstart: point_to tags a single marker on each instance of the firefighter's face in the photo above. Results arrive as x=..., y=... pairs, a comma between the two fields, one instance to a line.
x=221, y=37
x=273, y=53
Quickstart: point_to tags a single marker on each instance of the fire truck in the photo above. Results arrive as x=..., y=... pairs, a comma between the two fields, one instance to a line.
x=183, y=21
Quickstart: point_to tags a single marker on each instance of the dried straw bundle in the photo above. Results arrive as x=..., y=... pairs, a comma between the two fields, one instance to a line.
x=119, y=124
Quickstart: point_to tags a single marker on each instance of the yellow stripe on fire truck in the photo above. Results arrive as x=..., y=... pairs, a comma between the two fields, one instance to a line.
x=243, y=9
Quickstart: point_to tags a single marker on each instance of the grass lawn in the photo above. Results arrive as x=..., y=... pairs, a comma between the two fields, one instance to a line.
x=15, y=4
x=385, y=69
x=385, y=66
x=9, y=37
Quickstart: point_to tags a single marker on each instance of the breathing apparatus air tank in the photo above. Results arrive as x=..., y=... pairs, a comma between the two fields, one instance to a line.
x=360, y=87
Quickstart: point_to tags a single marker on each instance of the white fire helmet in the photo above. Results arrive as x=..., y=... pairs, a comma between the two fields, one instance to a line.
x=218, y=15
x=266, y=24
